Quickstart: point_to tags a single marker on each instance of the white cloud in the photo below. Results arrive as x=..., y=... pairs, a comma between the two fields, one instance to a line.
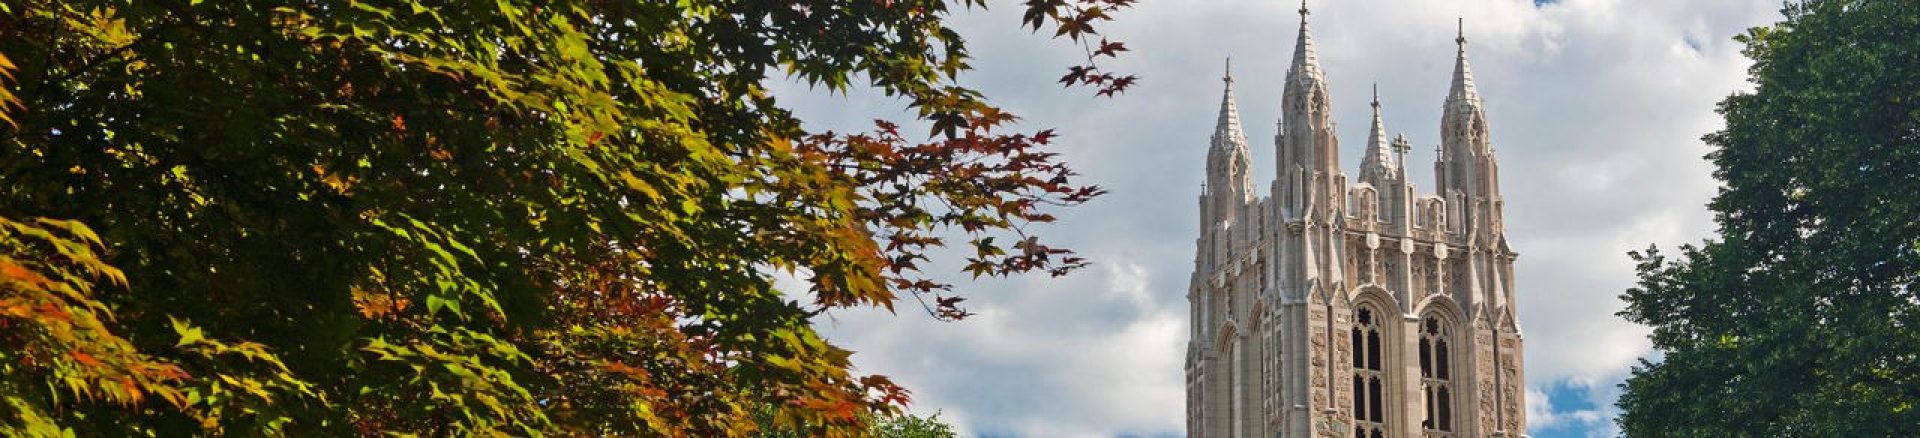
x=1596, y=106
x=1593, y=419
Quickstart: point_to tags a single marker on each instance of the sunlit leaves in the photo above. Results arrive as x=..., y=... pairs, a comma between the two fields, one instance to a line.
x=9, y=103
x=56, y=328
x=458, y=374
x=402, y=217
x=242, y=385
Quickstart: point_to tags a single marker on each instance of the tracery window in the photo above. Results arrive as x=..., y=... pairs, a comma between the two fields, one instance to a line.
x=1436, y=376
x=1369, y=405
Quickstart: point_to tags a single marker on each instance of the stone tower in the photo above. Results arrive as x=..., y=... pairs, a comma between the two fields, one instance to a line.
x=1341, y=308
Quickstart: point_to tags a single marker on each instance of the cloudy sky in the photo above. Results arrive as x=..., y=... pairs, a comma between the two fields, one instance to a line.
x=1596, y=106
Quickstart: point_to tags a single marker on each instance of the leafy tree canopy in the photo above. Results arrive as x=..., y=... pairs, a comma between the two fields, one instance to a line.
x=888, y=426
x=335, y=217
x=1801, y=319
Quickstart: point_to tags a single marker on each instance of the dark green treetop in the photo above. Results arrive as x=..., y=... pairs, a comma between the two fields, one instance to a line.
x=1801, y=318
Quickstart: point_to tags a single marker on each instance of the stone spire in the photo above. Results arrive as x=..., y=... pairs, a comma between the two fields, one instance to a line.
x=1464, y=135
x=1463, y=122
x=1227, y=130
x=1378, y=165
x=1309, y=153
x=1306, y=64
x=1229, y=161
x=1466, y=165
x=1462, y=92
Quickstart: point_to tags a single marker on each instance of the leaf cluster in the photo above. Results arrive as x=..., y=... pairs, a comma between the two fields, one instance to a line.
x=1074, y=19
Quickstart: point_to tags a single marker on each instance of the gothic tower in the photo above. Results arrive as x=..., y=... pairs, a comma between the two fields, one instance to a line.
x=1367, y=310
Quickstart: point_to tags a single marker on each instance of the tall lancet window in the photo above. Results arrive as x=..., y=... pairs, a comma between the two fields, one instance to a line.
x=1369, y=406
x=1436, y=375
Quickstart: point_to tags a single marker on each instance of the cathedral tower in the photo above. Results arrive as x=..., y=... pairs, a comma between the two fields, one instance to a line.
x=1353, y=310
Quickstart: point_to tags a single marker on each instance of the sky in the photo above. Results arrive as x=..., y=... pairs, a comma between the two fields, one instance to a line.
x=1596, y=109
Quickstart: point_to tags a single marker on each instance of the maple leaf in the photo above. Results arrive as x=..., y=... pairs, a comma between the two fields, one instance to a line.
x=1110, y=49
x=1074, y=75
x=1043, y=136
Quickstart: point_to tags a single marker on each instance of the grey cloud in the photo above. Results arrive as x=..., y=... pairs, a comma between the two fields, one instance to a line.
x=1597, y=107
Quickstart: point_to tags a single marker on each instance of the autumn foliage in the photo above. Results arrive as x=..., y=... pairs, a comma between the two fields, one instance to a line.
x=517, y=217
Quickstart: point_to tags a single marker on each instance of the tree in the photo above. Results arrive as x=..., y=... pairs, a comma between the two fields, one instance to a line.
x=889, y=426
x=1801, y=319
x=331, y=217
x=913, y=426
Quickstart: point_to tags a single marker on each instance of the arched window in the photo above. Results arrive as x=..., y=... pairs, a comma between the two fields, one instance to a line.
x=1369, y=404
x=1436, y=379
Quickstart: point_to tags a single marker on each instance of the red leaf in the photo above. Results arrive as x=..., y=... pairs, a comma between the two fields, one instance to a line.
x=1111, y=49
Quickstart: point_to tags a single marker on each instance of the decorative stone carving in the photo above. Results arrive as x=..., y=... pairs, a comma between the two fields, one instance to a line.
x=1483, y=365
x=1510, y=382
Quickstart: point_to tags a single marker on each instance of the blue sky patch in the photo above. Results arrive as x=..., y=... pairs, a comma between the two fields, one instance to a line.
x=1574, y=413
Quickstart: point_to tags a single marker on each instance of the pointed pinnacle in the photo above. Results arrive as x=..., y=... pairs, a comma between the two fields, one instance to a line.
x=1462, y=89
x=1228, y=127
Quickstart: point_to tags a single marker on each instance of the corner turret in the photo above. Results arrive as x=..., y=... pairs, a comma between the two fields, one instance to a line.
x=1309, y=153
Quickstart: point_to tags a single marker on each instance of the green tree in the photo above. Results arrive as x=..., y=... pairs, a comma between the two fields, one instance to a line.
x=335, y=217
x=900, y=425
x=913, y=426
x=1801, y=318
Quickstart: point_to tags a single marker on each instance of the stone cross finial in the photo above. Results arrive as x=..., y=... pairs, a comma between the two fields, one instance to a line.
x=1229, y=76
x=1401, y=146
x=1460, y=32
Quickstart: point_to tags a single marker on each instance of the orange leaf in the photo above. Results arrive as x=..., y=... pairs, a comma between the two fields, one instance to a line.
x=20, y=273
x=85, y=359
x=133, y=391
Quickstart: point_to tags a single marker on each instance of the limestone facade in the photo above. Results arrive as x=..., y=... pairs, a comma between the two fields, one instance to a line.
x=1330, y=307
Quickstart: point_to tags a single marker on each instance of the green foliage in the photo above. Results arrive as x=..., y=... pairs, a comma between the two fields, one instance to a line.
x=912, y=426
x=899, y=425
x=485, y=217
x=1802, y=318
